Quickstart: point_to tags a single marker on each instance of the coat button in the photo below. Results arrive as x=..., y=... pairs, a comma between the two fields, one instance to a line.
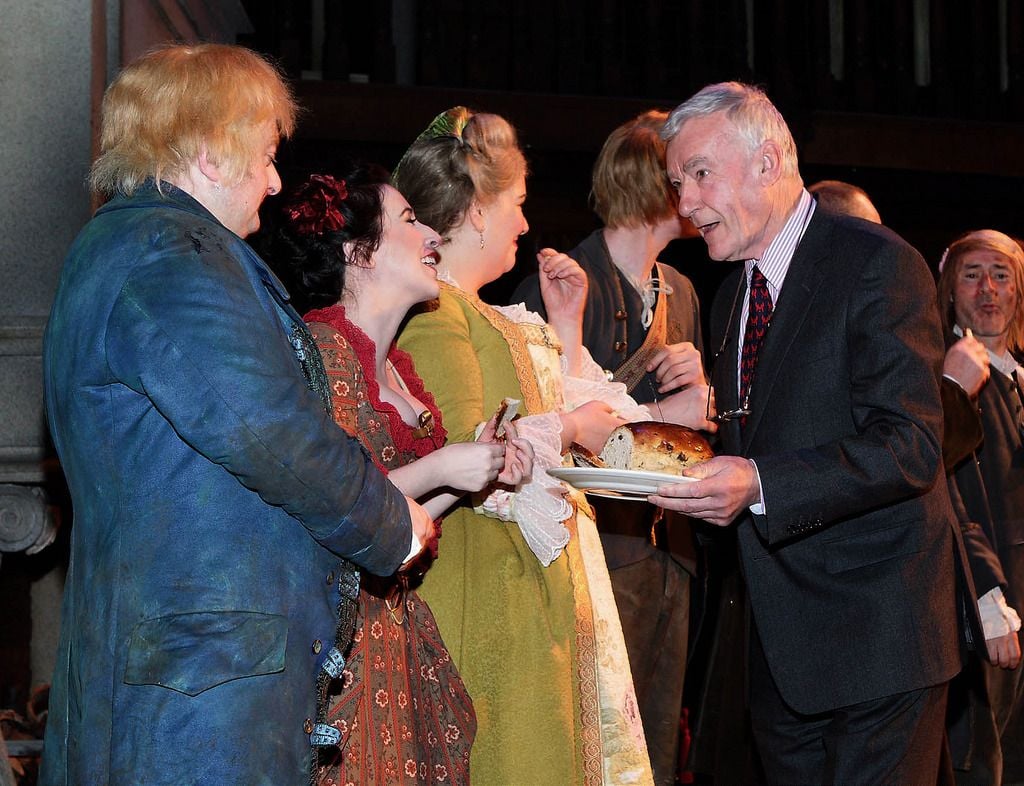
x=308, y=726
x=620, y=346
x=620, y=315
x=330, y=578
x=317, y=646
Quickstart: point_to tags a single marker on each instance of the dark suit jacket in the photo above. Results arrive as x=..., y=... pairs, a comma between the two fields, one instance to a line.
x=851, y=570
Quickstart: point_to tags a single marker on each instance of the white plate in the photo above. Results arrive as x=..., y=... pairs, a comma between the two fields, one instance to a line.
x=616, y=483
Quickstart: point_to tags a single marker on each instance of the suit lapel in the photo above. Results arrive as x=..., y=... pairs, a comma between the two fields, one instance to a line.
x=803, y=279
x=724, y=371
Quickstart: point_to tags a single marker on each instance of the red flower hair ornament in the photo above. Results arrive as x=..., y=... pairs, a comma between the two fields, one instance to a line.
x=315, y=207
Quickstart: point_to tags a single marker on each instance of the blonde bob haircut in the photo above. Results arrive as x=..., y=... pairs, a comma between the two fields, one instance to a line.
x=953, y=260
x=629, y=186
x=463, y=155
x=171, y=103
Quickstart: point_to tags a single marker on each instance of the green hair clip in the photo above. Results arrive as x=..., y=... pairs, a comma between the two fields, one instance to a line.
x=452, y=122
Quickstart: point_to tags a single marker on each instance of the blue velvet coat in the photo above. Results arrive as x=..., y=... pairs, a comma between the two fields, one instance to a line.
x=212, y=498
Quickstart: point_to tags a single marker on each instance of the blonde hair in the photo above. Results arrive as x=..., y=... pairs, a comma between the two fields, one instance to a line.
x=629, y=184
x=471, y=156
x=165, y=107
x=952, y=261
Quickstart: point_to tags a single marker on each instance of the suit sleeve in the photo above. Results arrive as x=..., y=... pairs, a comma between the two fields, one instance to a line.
x=962, y=430
x=981, y=557
x=193, y=332
x=883, y=418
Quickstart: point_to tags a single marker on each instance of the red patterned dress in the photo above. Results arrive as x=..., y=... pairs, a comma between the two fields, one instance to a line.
x=403, y=712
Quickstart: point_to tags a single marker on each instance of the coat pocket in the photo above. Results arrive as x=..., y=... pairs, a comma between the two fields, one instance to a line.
x=871, y=548
x=198, y=650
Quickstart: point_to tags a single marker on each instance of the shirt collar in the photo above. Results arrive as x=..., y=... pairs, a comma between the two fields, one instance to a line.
x=774, y=263
x=1006, y=363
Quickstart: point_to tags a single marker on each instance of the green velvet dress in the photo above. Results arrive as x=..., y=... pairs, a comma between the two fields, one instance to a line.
x=535, y=645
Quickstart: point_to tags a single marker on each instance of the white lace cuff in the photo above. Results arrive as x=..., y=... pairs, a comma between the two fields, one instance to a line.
x=497, y=505
x=997, y=618
x=538, y=506
x=593, y=385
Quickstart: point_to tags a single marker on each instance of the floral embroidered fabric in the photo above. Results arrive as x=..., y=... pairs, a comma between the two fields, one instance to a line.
x=403, y=712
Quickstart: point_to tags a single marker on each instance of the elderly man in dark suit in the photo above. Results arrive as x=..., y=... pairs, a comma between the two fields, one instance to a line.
x=829, y=352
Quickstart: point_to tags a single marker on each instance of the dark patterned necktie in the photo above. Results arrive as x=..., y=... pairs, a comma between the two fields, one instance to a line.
x=757, y=325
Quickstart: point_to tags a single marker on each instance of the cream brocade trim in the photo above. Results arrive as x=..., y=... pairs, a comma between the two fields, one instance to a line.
x=625, y=759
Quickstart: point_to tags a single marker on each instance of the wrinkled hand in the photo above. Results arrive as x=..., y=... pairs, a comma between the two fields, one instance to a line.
x=563, y=286
x=422, y=527
x=677, y=366
x=589, y=425
x=469, y=466
x=1004, y=651
x=688, y=407
x=967, y=362
x=725, y=486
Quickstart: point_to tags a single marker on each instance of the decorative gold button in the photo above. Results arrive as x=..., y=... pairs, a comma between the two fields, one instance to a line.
x=308, y=726
x=330, y=578
x=620, y=346
x=317, y=646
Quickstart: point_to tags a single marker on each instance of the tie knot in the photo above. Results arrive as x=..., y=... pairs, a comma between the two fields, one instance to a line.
x=757, y=278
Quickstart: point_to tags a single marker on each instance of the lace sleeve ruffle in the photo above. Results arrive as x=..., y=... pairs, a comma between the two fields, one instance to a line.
x=539, y=506
x=593, y=385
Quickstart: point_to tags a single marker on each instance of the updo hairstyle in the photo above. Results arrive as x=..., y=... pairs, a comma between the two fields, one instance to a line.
x=472, y=155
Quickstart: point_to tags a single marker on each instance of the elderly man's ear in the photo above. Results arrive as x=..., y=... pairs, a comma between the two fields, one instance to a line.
x=770, y=163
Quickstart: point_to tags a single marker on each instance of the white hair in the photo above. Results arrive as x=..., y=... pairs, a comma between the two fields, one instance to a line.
x=749, y=110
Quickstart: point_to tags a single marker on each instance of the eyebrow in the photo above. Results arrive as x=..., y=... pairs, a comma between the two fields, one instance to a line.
x=1005, y=265
x=694, y=162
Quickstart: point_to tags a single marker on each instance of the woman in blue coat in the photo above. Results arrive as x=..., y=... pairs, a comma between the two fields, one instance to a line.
x=218, y=510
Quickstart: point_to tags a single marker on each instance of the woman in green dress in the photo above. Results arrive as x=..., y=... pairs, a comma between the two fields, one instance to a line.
x=520, y=590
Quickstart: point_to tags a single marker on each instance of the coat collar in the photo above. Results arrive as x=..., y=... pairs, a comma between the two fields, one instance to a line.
x=170, y=197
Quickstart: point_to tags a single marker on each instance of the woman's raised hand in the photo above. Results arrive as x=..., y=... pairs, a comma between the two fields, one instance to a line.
x=563, y=286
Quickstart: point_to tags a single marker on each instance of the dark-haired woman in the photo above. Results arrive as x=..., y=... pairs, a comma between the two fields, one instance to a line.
x=353, y=250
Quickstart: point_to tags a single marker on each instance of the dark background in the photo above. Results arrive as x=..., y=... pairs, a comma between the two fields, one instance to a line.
x=937, y=149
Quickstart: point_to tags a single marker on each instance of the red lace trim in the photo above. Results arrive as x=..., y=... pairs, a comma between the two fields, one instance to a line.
x=366, y=353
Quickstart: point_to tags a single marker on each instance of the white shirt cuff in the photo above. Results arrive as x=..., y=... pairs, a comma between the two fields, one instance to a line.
x=415, y=548
x=757, y=508
x=955, y=381
x=997, y=618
